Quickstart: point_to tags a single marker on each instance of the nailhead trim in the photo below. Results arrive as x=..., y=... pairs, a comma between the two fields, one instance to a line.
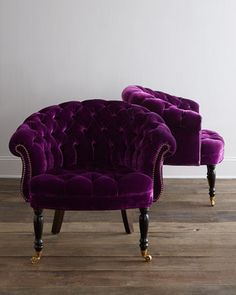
x=24, y=170
x=161, y=165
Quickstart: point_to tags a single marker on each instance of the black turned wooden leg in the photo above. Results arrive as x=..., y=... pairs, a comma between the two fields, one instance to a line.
x=211, y=177
x=143, y=225
x=57, y=221
x=128, y=221
x=38, y=231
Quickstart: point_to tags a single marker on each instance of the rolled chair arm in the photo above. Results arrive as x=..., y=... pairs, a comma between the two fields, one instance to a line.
x=193, y=104
x=179, y=102
x=29, y=146
x=177, y=118
x=185, y=125
x=173, y=116
x=157, y=144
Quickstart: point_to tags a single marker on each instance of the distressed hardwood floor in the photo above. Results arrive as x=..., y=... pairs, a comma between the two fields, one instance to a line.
x=193, y=246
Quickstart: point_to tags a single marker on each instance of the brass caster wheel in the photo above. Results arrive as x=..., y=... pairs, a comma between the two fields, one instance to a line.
x=36, y=258
x=146, y=256
x=213, y=201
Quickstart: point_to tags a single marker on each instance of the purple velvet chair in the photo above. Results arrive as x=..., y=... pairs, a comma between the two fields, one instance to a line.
x=91, y=155
x=194, y=145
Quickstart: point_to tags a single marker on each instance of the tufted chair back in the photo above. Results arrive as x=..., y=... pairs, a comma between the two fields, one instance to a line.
x=164, y=99
x=90, y=134
x=180, y=114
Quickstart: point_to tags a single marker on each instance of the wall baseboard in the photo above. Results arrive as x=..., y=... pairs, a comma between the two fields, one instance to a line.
x=226, y=169
x=10, y=167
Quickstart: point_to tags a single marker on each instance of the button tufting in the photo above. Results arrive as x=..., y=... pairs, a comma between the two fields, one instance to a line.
x=61, y=142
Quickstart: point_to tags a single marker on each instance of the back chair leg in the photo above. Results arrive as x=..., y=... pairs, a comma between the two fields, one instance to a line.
x=57, y=221
x=38, y=231
x=143, y=225
x=127, y=220
x=211, y=177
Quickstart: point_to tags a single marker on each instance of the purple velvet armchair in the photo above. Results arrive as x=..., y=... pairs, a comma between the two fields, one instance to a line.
x=194, y=145
x=91, y=155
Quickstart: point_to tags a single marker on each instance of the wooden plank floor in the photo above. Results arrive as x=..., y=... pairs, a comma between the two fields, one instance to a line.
x=193, y=246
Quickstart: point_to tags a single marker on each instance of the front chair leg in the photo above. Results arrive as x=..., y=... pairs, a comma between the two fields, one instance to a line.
x=128, y=221
x=57, y=221
x=211, y=177
x=38, y=231
x=143, y=225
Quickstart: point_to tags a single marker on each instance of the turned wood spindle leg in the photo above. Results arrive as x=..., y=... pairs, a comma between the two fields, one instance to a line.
x=38, y=231
x=57, y=221
x=128, y=221
x=143, y=225
x=211, y=177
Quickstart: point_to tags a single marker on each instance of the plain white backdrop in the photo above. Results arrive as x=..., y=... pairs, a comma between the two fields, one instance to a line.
x=57, y=50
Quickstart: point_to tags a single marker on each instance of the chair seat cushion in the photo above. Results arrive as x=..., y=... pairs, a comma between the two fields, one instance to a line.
x=212, y=148
x=91, y=189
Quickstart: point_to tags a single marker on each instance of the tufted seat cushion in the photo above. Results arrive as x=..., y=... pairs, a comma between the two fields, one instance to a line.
x=212, y=148
x=77, y=189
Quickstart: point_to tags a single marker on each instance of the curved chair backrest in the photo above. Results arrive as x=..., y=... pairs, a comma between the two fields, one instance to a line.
x=163, y=101
x=92, y=133
x=180, y=114
x=170, y=100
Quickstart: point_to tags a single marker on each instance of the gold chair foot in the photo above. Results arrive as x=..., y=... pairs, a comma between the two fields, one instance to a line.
x=36, y=258
x=213, y=201
x=146, y=256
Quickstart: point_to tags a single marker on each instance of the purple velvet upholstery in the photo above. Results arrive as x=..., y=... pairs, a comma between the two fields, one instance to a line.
x=194, y=146
x=92, y=155
x=212, y=148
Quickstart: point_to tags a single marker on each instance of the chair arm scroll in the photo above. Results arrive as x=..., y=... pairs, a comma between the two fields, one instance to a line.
x=22, y=144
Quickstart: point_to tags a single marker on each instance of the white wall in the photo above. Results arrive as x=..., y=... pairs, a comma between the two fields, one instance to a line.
x=57, y=50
